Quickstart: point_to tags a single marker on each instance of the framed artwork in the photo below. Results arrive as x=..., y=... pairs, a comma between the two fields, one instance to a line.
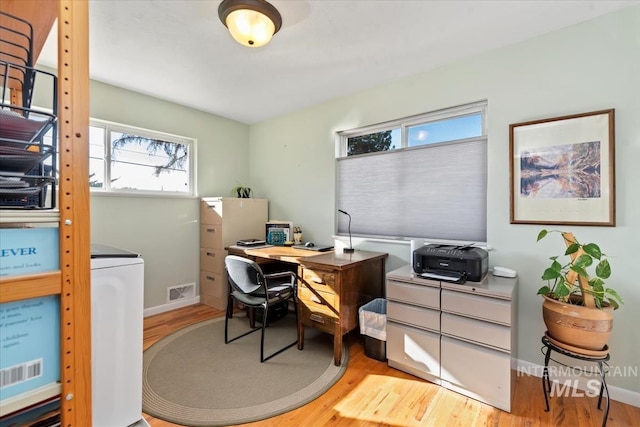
x=562, y=170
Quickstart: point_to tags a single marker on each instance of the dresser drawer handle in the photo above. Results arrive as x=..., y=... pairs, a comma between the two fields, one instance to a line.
x=318, y=280
x=316, y=299
x=211, y=278
x=316, y=318
x=210, y=254
x=211, y=230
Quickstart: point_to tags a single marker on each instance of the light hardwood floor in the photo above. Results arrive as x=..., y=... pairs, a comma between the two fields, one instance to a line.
x=372, y=394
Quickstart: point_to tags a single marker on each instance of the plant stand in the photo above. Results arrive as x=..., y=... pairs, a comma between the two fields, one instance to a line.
x=601, y=360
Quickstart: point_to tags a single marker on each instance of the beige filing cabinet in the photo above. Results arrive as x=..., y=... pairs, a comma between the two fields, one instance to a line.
x=459, y=336
x=224, y=221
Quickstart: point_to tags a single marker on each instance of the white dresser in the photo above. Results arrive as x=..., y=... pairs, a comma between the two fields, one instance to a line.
x=224, y=221
x=459, y=336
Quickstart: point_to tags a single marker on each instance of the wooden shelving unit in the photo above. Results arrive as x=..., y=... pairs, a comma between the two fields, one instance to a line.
x=72, y=281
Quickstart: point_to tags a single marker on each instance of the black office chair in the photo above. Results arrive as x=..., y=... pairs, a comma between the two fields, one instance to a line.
x=251, y=287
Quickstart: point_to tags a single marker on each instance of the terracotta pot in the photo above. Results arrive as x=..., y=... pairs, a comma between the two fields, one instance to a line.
x=576, y=325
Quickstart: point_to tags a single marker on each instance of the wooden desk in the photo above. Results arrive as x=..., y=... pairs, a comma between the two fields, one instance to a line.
x=331, y=286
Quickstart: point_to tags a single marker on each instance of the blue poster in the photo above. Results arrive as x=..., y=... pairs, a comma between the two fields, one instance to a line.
x=29, y=344
x=28, y=250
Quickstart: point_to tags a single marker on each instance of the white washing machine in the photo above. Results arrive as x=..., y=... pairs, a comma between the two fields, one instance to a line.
x=117, y=306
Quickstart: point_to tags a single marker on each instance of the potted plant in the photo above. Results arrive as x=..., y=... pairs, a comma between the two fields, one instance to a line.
x=577, y=307
x=241, y=191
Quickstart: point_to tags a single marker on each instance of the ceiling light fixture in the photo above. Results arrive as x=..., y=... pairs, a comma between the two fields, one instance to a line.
x=251, y=22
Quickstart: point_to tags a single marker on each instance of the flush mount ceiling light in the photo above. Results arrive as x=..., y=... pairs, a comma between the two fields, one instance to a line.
x=251, y=22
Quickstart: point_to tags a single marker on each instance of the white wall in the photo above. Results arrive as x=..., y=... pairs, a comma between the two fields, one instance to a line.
x=166, y=230
x=587, y=67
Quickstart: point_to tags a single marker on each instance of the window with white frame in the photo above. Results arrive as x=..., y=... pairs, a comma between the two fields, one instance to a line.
x=423, y=176
x=129, y=159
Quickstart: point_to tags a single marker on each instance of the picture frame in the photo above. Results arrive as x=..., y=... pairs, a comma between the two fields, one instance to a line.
x=562, y=170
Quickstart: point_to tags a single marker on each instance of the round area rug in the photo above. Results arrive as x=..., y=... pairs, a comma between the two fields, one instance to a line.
x=193, y=378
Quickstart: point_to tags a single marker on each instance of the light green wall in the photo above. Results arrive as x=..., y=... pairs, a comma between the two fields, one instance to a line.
x=166, y=230
x=291, y=161
x=587, y=67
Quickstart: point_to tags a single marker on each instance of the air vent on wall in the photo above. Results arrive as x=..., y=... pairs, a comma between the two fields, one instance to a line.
x=178, y=292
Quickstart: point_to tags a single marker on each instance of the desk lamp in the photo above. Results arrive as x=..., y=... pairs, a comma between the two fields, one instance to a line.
x=350, y=249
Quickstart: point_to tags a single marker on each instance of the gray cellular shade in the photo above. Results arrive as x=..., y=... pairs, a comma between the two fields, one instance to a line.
x=436, y=192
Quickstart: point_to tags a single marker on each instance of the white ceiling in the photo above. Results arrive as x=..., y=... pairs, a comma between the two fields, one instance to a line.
x=179, y=50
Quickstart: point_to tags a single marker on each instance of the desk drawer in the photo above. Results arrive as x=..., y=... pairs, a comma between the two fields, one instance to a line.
x=319, y=319
x=321, y=280
x=212, y=260
x=318, y=300
x=211, y=236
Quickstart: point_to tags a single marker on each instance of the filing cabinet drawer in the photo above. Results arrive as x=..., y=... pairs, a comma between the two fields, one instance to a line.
x=323, y=281
x=476, y=306
x=212, y=260
x=211, y=212
x=413, y=350
x=323, y=301
x=478, y=331
x=425, y=296
x=211, y=236
x=213, y=284
x=319, y=319
x=412, y=315
x=479, y=372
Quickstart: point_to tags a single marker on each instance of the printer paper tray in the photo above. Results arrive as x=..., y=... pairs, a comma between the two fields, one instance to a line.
x=445, y=276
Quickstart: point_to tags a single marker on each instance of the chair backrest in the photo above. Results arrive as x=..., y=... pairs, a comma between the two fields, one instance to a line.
x=244, y=275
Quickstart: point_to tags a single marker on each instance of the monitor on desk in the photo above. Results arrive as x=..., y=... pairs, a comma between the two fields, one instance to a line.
x=278, y=229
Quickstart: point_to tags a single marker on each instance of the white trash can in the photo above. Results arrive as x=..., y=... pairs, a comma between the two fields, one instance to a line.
x=373, y=325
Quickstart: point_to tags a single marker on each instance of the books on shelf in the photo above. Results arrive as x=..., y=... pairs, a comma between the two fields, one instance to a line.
x=42, y=414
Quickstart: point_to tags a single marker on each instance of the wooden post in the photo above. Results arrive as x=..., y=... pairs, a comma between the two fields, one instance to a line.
x=75, y=242
x=589, y=300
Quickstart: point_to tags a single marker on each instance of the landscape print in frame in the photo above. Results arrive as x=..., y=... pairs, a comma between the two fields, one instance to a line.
x=562, y=170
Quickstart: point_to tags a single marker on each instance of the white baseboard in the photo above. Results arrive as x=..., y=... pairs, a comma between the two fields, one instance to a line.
x=171, y=306
x=615, y=393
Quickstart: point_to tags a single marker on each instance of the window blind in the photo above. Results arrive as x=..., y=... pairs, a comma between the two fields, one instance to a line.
x=436, y=191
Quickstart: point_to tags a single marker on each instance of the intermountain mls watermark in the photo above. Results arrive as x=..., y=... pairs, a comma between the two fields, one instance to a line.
x=569, y=381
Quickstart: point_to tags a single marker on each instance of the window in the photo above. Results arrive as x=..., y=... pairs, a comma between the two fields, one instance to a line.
x=424, y=176
x=127, y=159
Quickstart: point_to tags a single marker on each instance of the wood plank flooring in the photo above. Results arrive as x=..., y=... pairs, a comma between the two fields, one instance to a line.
x=372, y=394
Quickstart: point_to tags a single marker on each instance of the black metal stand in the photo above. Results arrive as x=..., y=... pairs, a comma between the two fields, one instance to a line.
x=601, y=361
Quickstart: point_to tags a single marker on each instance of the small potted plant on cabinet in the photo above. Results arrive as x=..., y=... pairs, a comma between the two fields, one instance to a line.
x=577, y=307
x=241, y=191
